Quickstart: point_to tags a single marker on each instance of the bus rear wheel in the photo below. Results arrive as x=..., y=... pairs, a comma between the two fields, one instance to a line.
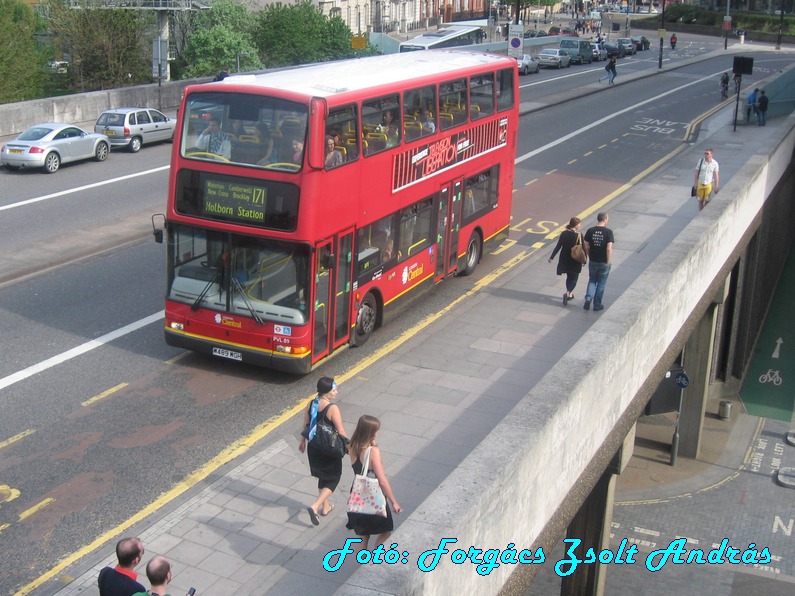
x=365, y=320
x=473, y=254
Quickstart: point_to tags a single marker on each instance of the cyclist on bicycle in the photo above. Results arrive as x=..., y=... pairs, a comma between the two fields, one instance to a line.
x=724, y=85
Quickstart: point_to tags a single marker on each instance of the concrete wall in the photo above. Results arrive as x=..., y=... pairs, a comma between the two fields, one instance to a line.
x=85, y=107
x=539, y=462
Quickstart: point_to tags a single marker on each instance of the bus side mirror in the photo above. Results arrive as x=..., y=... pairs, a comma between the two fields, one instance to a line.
x=316, y=143
x=158, y=232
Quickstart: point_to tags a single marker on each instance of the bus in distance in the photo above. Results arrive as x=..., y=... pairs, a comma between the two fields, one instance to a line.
x=306, y=205
x=446, y=36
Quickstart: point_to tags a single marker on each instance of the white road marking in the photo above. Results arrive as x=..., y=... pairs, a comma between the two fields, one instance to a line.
x=62, y=193
x=79, y=350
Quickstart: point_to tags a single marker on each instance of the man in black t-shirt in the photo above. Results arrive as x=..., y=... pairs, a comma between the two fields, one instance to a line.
x=598, y=242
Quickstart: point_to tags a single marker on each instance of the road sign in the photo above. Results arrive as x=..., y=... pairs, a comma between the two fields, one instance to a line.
x=515, y=40
x=682, y=380
x=727, y=19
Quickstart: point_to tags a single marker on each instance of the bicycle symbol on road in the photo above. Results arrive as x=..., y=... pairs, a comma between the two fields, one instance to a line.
x=771, y=376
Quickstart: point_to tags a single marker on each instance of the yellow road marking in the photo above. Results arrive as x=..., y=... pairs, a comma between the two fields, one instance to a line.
x=7, y=493
x=16, y=438
x=104, y=394
x=37, y=507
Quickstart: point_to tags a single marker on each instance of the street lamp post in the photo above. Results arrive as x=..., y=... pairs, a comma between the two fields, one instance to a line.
x=662, y=33
x=780, y=26
x=726, y=36
x=243, y=53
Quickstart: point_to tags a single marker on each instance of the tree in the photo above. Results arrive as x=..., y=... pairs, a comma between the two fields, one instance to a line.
x=21, y=61
x=218, y=38
x=300, y=34
x=108, y=47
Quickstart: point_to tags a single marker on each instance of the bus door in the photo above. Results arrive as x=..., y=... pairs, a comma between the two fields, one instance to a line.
x=448, y=226
x=332, y=293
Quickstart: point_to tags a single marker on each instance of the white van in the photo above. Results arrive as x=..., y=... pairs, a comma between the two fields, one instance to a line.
x=579, y=49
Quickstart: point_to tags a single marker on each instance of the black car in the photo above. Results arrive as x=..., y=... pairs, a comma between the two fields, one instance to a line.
x=641, y=42
x=614, y=49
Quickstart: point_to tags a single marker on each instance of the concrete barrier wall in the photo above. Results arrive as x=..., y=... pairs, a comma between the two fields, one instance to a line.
x=520, y=476
x=85, y=107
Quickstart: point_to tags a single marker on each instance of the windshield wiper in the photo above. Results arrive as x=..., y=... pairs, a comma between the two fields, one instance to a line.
x=239, y=287
x=206, y=289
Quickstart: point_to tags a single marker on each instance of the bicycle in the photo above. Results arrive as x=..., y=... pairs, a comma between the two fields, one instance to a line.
x=724, y=91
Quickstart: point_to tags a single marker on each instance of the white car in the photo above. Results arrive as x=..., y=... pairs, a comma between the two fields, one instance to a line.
x=50, y=144
x=133, y=127
x=528, y=64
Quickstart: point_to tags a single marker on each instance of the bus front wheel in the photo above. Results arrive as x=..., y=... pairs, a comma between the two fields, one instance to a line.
x=473, y=254
x=365, y=320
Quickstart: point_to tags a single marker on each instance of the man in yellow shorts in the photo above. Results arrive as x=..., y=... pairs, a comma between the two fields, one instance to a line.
x=707, y=178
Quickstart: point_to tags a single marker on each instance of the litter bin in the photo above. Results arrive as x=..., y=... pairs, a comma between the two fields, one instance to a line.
x=725, y=410
x=741, y=35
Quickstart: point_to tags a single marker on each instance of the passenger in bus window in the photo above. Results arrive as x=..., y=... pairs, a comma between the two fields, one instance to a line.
x=427, y=122
x=214, y=140
x=298, y=150
x=390, y=126
x=266, y=145
x=333, y=155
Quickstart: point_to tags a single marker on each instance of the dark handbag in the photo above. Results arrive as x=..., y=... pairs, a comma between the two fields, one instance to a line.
x=328, y=441
x=692, y=191
x=578, y=252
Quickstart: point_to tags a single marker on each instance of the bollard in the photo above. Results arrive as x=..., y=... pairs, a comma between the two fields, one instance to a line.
x=742, y=37
x=725, y=410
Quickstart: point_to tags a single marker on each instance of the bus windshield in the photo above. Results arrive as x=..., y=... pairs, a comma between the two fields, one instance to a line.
x=246, y=129
x=262, y=279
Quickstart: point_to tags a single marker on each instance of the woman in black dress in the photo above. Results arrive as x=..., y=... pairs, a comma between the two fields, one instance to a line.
x=365, y=525
x=327, y=470
x=566, y=264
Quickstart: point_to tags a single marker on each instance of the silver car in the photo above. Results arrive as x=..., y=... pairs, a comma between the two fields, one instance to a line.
x=599, y=52
x=554, y=58
x=527, y=64
x=628, y=44
x=50, y=144
x=133, y=127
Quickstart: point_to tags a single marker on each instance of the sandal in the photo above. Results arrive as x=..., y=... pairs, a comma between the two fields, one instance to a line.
x=313, y=516
x=330, y=509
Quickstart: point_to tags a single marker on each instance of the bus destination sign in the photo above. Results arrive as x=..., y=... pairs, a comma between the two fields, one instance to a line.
x=234, y=201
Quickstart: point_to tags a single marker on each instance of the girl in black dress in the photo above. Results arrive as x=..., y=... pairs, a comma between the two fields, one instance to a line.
x=365, y=525
x=566, y=264
x=327, y=470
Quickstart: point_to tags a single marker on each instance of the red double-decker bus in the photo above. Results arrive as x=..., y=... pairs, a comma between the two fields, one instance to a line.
x=305, y=205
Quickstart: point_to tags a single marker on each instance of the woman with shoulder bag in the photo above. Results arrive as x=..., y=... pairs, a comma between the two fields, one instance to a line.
x=365, y=525
x=566, y=263
x=327, y=470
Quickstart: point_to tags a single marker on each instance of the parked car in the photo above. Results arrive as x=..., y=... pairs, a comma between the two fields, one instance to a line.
x=629, y=46
x=641, y=42
x=530, y=33
x=554, y=58
x=614, y=48
x=563, y=31
x=599, y=51
x=133, y=127
x=50, y=144
x=579, y=49
x=528, y=64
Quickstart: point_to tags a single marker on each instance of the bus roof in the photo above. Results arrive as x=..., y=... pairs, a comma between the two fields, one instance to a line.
x=441, y=34
x=331, y=78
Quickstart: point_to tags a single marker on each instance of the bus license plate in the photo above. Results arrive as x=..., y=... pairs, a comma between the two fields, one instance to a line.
x=228, y=354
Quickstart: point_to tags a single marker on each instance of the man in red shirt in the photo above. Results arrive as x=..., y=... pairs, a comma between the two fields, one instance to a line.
x=122, y=579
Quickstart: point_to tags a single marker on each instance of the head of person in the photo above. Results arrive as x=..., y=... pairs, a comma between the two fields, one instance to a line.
x=574, y=223
x=298, y=144
x=264, y=131
x=158, y=571
x=326, y=386
x=330, y=144
x=129, y=552
x=762, y=92
x=708, y=154
x=214, y=125
x=365, y=434
x=602, y=217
